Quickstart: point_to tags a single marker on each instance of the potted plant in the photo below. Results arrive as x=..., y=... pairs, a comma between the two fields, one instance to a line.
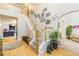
x=53, y=42
x=49, y=49
x=69, y=30
x=54, y=39
x=1, y=40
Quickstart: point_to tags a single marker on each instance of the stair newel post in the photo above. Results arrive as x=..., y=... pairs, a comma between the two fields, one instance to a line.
x=45, y=31
x=36, y=41
x=28, y=33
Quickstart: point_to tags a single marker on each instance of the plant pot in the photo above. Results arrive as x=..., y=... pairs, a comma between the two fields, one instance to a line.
x=51, y=46
x=48, y=49
x=55, y=44
x=68, y=37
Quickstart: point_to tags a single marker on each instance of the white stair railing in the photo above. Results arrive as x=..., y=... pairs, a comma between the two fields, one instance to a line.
x=33, y=33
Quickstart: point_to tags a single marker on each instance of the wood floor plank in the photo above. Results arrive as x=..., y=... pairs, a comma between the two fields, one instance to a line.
x=60, y=52
x=26, y=50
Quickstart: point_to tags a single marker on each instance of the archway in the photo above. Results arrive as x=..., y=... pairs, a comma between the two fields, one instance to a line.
x=70, y=18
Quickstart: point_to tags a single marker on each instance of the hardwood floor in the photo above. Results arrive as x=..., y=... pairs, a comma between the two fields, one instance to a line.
x=26, y=50
x=8, y=40
x=61, y=52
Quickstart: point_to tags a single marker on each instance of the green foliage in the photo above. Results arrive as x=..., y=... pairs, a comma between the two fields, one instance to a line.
x=1, y=40
x=69, y=30
x=54, y=35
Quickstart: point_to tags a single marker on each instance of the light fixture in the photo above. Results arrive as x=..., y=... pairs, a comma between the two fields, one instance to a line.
x=26, y=4
x=29, y=6
x=14, y=21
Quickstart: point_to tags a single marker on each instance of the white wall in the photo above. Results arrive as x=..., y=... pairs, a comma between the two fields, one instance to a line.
x=22, y=25
x=1, y=34
x=55, y=9
x=72, y=19
x=59, y=9
x=8, y=7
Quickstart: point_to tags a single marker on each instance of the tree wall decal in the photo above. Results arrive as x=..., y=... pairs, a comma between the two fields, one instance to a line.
x=45, y=16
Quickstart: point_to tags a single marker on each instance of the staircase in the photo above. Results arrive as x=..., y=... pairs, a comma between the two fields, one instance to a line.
x=33, y=33
x=37, y=37
x=35, y=42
